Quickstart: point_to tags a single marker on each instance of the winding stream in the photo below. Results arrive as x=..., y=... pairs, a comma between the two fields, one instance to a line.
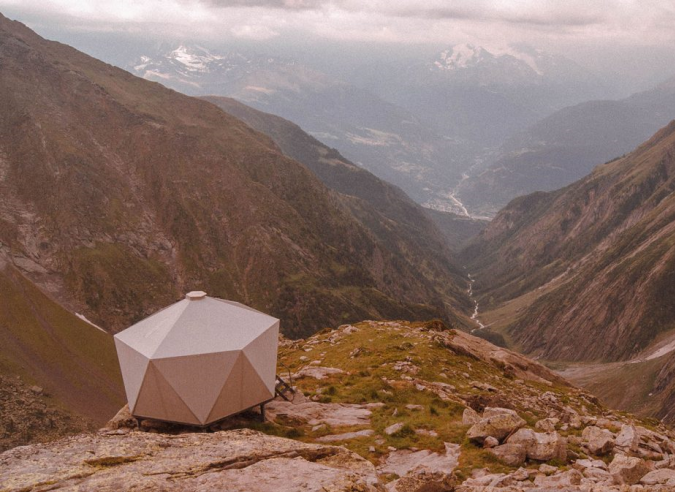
x=474, y=316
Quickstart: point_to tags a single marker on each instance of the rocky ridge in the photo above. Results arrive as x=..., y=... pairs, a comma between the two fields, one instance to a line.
x=415, y=407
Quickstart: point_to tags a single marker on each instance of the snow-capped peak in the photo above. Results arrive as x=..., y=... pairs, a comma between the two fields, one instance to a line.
x=460, y=56
x=195, y=59
x=468, y=55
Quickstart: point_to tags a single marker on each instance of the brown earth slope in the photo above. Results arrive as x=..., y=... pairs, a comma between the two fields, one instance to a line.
x=118, y=195
x=597, y=259
x=386, y=211
x=58, y=373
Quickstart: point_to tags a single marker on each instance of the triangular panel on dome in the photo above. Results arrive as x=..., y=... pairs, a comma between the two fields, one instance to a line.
x=133, y=366
x=229, y=400
x=262, y=353
x=148, y=334
x=211, y=320
x=254, y=389
x=158, y=400
x=198, y=378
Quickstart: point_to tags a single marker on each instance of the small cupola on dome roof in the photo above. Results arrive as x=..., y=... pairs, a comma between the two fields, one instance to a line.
x=199, y=360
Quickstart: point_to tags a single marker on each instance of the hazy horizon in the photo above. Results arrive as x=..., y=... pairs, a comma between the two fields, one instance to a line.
x=622, y=39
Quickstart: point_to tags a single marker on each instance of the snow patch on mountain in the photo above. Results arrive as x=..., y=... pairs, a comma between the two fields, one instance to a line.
x=468, y=55
x=460, y=56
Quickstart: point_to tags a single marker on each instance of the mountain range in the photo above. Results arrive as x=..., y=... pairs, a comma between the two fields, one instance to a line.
x=566, y=145
x=120, y=194
x=377, y=135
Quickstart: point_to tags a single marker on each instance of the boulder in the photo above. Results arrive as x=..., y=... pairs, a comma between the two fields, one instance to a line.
x=510, y=454
x=499, y=426
x=541, y=446
x=627, y=470
x=597, y=475
x=628, y=439
x=658, y=477
x=403, y=462
x=470, y=416
x=546, y=425
x=588, y=463
x=493, y=411
x=122, y=420
x=598, y=441
x=490, y=442
x=569, y=478
x=422, y=470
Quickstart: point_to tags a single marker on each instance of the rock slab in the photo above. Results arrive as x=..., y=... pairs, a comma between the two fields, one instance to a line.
x=236, y=461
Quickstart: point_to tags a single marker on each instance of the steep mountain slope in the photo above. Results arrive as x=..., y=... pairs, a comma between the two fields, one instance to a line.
x=565, y=146
x=122, y=194
x=591, y=262
x=385, y=210
x=59, y=374
x=383, y=138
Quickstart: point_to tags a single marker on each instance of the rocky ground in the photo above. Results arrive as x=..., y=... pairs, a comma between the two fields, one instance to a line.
x=28, y=414
x=379, y=406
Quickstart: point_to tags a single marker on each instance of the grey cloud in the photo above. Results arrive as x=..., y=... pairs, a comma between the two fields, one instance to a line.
x=274, y=4
x=531, y=17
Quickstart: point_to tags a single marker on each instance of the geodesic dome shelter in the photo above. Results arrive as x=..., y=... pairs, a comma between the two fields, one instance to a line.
x=198, y=360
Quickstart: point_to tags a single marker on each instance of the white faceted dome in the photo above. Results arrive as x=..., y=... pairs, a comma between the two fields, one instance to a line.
x=199, y=360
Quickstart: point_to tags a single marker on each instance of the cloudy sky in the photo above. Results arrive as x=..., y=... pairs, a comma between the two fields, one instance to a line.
x=633, y=36
x=646, y=21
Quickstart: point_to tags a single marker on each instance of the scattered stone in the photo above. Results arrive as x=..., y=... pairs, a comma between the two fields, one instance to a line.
x=569, y=478
x=406, y=367
x=312, y=413
x=499, y=427
x=470, y=416
x=597, y=475
x=317, y=372
x=490, y=442
x=627, y=469
x=394, y=428
x=547, y=469
x=122, y=419
x=36, y=390
x=540, y=446
x=658, y=477
x=588, y=463
x=510, y=454
x=628, y=439
x=484, y=386
x=346, y=436
x=546, y=425
x=414, y=407
x=598, y=441
x=402, y=462
x=521, y=474
x=425, y=432
x=494, y=411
